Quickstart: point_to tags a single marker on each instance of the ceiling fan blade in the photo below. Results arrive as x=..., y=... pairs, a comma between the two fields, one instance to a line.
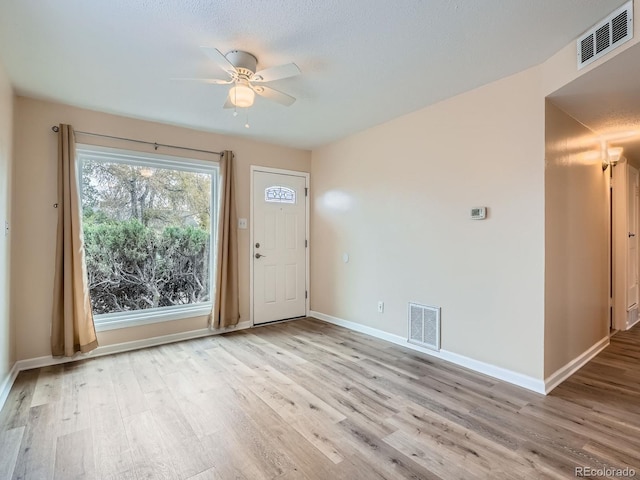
x=212, y=81
x=220, y=60
x=275, y=95
x=276, y=73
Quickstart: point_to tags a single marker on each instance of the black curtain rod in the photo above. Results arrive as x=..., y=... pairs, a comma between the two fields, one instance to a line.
x=155, y=145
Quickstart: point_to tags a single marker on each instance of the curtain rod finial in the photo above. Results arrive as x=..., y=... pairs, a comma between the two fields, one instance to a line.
x=55, y=128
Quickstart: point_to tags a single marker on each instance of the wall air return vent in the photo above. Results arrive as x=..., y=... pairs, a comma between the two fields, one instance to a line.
x=424, y=326
x=605, y=36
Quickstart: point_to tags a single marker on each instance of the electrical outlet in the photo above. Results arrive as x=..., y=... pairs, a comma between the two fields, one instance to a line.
x=380, y=306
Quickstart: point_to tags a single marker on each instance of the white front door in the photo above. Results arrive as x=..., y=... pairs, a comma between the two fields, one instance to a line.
x=279, y=246
x=632, y=238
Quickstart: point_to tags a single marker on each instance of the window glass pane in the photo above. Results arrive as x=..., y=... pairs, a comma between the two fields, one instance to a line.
x=279, y=194
x=147, y=232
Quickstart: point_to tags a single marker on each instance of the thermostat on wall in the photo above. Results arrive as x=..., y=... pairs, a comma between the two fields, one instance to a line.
x=478, y=213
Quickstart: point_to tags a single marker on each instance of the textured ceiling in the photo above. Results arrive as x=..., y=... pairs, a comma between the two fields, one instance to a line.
x=363, y=61
x=607, y=100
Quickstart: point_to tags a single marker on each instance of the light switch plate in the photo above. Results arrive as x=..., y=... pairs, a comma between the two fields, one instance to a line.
x=242, y=223
x=6, y=228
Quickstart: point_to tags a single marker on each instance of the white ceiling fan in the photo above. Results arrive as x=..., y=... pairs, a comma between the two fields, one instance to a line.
x=241, y=67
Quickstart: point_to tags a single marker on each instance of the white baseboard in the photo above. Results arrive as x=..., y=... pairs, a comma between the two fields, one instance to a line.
x=7, y=383
x=48, y=360
x=358, y=327
x=515, y=378
x=560, y=375
x=630, y=326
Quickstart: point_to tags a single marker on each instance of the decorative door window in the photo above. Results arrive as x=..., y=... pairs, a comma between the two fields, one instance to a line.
x=279, y=194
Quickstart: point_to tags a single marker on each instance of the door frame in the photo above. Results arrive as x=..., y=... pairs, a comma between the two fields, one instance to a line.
x=619, y=245
x=306, y=175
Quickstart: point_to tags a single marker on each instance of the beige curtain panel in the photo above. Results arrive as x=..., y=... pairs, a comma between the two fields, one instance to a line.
x=226, y=306
x=72, y=328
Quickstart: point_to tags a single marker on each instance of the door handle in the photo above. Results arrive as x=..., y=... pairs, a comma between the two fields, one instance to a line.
x=258, y=255
x=631, y=234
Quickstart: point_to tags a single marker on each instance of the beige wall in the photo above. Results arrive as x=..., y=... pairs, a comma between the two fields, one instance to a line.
x=576, y=240
x=34, y=190
x=7, y=353
x=397, y=199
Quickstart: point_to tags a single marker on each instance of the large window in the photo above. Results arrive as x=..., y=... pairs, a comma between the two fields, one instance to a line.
x=148, y=225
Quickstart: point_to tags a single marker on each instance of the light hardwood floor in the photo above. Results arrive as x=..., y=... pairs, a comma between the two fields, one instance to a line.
x=307, y=400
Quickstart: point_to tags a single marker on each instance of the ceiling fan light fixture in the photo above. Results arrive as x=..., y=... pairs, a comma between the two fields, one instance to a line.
x=241, y=66
x=241, y=95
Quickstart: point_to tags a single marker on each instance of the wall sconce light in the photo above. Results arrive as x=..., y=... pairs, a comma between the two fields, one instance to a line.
x=612, y=157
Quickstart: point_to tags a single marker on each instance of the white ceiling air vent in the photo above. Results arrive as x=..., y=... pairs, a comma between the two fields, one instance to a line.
x=424, y=326
x=606, y=35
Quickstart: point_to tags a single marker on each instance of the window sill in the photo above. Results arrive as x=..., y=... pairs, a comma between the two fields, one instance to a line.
x=114, y=321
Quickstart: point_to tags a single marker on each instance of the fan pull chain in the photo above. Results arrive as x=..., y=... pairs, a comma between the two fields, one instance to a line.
x=246, y=125
x=235, y=103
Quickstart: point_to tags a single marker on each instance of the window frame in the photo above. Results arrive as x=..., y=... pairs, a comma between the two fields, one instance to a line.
x=117, y=320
